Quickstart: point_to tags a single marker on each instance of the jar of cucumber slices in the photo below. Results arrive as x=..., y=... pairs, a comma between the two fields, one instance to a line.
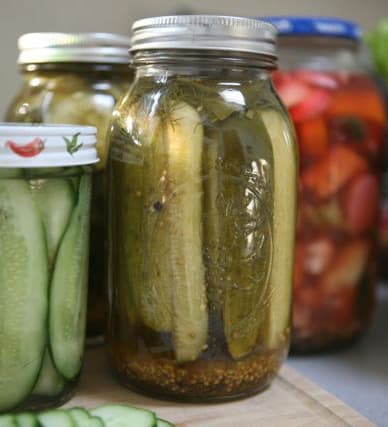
x=77, y=78
x=340, y=121
x=45, y=189
x=202, y=212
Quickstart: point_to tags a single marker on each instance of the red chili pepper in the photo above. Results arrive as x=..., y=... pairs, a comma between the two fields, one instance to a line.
x=30, y=149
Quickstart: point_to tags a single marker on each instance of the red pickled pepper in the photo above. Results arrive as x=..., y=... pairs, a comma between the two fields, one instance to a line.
x=339, y=119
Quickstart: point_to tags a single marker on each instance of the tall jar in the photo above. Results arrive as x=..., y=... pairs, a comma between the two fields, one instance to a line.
x=340, y=120
x=202, y=187
x=77, y=78
x=45, y=189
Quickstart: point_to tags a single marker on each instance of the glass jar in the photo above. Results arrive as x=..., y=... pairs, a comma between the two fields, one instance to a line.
x=77, y=78
x=202, y=187
x=339, y=119
x=45, y=187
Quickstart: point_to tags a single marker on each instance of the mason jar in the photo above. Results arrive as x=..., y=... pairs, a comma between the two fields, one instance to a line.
x=45, y=188
x=77, y=78
x=340, y=121
x=202, y=183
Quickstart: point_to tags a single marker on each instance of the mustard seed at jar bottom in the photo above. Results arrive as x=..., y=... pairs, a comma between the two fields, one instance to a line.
x=202, y=187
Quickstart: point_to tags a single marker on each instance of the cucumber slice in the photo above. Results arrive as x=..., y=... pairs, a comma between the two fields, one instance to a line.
x=23, y=292
x=163, y=423
x=55, y=198
x=55, y=418
x=82, y=418
x=7, y=421
x=284, y=217
x=26, y=419
x=155, y=295
x=124, y=416
x=50, y=382
x=68, y=289
x=246, y=204
x=184, y=143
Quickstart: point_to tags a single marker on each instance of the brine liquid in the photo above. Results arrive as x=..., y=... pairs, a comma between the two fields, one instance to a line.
x=339, y=119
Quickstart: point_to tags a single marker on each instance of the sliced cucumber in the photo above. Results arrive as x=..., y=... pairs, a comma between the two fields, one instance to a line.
x=26, y=419
x=55, y=198
x=184, y=144
x=55, y=418
x=284, y=217
x=7, y=421
x=23, y=292
x=246, y=203
x=163, y=423
x=68, y=289
x=82, y=418
x=124, y=416
x=50, y=382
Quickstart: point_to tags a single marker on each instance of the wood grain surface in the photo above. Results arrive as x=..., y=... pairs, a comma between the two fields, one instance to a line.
x=291, y=401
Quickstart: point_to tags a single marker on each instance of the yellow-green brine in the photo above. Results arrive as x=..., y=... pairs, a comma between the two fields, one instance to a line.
x=202, y=183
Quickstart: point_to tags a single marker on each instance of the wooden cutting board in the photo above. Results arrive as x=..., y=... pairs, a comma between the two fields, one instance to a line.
x=291, y=401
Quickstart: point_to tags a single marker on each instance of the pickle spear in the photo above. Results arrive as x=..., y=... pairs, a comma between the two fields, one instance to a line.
x=184, y=141
x=284, y=217
x=247, y=231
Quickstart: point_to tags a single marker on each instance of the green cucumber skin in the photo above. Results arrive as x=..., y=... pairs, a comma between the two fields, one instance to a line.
x=67, y=319
x=163, y=423
x=23, y=293
x=50, y=382
x=7, y=421
x=124, y=416
x=55, y=199
x=55, y=418
x=26, y=419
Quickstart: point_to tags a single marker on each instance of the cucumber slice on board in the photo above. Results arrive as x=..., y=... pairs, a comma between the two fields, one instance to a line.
x=284, y=218
x=82, y=418
x=184, y=144
x=50, y=382
x=23, y=292
x=26, y=419
x=55, y=418
x=67, y=317
x=55, y=199
x=7, y=421
x=124, y=416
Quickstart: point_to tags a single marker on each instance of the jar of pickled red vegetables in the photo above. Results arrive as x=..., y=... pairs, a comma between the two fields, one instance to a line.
x=45, y=188
x=339, y=119
x=77, y=78
x=202, y=212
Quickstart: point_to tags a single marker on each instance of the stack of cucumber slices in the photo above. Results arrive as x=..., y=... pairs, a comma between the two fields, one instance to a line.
x=113, y=415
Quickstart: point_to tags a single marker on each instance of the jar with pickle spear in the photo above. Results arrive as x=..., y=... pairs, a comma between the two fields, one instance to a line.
x=77, y=78
x=202, y=184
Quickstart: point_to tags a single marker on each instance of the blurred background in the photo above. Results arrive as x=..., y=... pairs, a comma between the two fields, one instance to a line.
x=22, y=16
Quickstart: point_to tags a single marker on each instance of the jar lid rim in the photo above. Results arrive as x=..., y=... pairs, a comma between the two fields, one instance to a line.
x=73, y=47
x=204, y=32
x=27, y=145
x=315, y=26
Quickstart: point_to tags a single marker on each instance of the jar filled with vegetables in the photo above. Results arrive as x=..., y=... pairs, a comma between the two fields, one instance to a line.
x=202, y=188
x=45, y=188
x=77, y=78
x=340, y=120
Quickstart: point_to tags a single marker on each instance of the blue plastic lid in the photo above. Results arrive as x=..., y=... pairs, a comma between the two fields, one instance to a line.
x=315, y=26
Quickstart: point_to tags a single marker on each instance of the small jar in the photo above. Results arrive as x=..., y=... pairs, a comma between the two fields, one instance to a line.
x=202, y=188
x=77, y=78
x=45, y=188
x=340, y=120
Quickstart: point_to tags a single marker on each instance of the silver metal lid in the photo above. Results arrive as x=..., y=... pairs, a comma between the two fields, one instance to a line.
x=37, y=48
x=205, y=32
